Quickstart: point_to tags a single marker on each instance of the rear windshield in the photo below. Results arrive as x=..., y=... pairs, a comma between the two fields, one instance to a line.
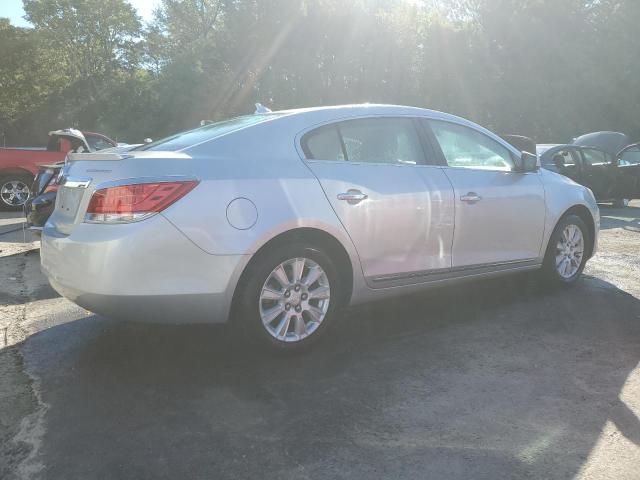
x=189, y=138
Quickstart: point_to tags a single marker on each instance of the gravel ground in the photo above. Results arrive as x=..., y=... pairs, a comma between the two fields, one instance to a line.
x=492, y=380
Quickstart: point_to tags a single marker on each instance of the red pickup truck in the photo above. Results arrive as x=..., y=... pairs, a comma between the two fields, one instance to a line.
x=19, y=166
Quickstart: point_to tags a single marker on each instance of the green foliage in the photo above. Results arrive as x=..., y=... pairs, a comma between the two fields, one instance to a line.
x=550, y=69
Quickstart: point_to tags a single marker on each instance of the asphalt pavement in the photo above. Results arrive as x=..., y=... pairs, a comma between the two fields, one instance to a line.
x=492, y=380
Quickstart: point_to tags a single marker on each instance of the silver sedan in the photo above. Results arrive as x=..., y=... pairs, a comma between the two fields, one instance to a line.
x=277, y=220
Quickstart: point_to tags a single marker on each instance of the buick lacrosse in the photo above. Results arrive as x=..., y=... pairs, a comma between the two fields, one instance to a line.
x=276, y=220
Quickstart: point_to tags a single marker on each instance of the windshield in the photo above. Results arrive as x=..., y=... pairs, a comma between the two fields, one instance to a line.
x=183, y=140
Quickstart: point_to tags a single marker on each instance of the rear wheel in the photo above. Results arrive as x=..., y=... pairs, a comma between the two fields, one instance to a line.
x=14, y=191
x=289, y=298
x=621, y=203
x=566, y=254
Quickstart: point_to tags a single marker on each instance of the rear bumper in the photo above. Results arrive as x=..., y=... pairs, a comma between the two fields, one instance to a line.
x=147, y=271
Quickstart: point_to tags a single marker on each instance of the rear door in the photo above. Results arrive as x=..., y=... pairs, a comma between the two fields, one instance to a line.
x=500, y=212
x=397, y=209
x=628, y=173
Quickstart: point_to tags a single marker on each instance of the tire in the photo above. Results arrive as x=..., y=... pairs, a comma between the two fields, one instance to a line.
x=556, y=271
x=621, y=203
x=262, y=295
x=10, y=185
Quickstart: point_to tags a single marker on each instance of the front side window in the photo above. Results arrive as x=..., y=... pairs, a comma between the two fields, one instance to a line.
x=560, y=159
x=367, y=140
x=464, y=147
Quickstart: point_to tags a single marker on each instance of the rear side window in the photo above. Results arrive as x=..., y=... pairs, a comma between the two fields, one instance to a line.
x=464, y=147
x=323, y=144
x=367, y=140
x=189, y=138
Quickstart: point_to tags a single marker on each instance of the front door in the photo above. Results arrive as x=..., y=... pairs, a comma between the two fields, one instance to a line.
x=500, y=213
x=628, y=173
x=598, y=173
x=397, y=209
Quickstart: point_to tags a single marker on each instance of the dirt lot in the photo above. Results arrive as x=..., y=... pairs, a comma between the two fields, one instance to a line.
x=485, y=381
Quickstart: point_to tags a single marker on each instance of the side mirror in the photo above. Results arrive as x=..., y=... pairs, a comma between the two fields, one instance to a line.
x=528, y=162
x=147, y=140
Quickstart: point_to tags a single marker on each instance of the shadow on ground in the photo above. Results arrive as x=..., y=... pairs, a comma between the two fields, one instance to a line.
x=627, y=218
x=487, y=381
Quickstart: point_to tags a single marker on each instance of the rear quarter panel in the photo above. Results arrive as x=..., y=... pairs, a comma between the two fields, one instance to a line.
x=259, y=164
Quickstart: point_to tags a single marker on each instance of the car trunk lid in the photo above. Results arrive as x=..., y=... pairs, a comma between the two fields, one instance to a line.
x=83, y=173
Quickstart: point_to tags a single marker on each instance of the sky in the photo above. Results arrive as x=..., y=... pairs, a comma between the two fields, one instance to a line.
x=12, y=9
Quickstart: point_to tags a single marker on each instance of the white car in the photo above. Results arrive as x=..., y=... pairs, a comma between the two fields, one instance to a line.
x=278, y=219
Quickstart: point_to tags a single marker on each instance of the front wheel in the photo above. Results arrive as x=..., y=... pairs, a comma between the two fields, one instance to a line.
x=290, y=297
x=621, y=203
x=566, y=254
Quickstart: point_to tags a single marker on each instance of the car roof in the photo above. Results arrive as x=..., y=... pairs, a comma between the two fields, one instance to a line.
x=370, y=109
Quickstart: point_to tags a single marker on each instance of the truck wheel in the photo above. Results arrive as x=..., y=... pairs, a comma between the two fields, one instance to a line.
x=14, y=191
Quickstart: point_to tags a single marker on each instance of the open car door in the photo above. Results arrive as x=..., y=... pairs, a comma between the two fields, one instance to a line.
x=628, y=177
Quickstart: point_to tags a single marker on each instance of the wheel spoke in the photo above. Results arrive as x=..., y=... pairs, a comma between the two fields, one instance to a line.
x=315, y=313
x=270, y=315
x=300, y=326
x=281, y=276
x=313, y=275
x=283, y=326
x=270, y=294
x=320, y=293
x=298, y=268
x=567, y=267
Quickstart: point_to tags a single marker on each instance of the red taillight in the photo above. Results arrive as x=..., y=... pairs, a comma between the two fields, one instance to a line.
x=127, y=203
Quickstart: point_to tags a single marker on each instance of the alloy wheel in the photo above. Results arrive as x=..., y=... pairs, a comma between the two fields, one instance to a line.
x=569, y=251
x=294, y=299
x=14, y=193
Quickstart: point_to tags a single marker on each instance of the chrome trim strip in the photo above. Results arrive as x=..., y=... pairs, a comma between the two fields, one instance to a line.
x=138, y=180
x=76, y=182
x=449, y=273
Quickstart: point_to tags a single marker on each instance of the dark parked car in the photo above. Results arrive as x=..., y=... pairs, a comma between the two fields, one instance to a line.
x=612, y=175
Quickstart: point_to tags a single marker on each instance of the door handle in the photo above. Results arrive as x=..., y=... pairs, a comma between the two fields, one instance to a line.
x=353, y=197
x=470, y=198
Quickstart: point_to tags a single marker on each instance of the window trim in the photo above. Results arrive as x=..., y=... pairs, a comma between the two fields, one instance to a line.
x=335, y=123
x=443, y=159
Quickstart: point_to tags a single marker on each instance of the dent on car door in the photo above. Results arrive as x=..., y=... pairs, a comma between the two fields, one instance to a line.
x=629, y=172
x=500, y=212
x=397, y=210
